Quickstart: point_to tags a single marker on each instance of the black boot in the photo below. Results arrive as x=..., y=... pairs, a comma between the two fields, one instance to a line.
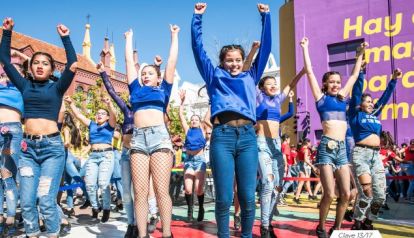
x=264, y=232
x=189, y=200
x=128, y=233
x=95, y=213
x=272, y=232
x=135, y=232
x=357, y=225
x=85, y=205
x=367, y=225
x=200, y=207
x=105, y=216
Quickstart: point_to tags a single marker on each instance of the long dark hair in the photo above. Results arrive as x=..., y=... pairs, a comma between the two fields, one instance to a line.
x=51, y=61
x=388, y=141
x=228, y=48
x=325, y=78
x=75, y=135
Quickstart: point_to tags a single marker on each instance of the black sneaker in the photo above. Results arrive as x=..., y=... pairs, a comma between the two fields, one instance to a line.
x=348, y=215
x=128, y=233
x=95, y=213
x=321, y=233
x=357, y=225
x=70, y=212
x=85, y=205
x=65, y=229
x=152, y=224
x=272, y=232
x=296, y=200
x=264, y=232
x=105, y=215
x=367, y=225
x=237, y=222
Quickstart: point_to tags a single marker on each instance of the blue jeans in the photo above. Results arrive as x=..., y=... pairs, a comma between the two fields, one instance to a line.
x=72, y=176
x=292, y=172
x=367, y=161
x=410, y=172
x=233, y=151
x=271, y=163
x=350, y=143
x=116, y=175
x=126, y=185
x=99, y=168
x=195, y=162
x=336, y=157
x=41, y=167
x=10, y=140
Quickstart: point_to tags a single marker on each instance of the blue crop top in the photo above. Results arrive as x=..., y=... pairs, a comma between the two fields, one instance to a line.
x=11, y=97
x=100, y=134
x=362, y=123
x=194, y=139
x=331, y=108
x=145, y=97
x=268, y=107
x=231, y=93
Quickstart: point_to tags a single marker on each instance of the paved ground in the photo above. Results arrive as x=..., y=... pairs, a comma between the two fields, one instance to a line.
x=293, y=221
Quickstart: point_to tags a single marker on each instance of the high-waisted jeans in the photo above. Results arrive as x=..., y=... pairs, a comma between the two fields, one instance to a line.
x=233, y=151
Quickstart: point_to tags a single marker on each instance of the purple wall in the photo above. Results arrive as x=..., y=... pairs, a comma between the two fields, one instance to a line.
x=323, y=22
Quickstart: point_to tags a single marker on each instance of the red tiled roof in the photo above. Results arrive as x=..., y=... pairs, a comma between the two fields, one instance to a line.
x=21, y=41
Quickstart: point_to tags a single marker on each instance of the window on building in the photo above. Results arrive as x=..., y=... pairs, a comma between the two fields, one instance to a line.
x=342, y=56
x=79, y=89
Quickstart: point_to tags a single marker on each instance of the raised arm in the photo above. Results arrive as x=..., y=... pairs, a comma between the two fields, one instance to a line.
x=112, y=111
x=250, y=56
x=262, y=57
x=107, y=82
x=204, y=65
x=356, y=95
x=172, y=58
x=131, y=71
x=71, y=65
x=316, y=90
x=387, y=93
x=291, y=111
x=355, y=71
x=294, y=81
x=84, y=120
x=183, y=120
x=207, y=118
x=5, y=58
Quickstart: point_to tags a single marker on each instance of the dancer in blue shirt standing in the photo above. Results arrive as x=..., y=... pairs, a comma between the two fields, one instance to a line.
x=233, y=148
x=367, y=165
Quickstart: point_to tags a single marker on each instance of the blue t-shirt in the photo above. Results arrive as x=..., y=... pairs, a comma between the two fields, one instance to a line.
x=194, y=139
x=100, y=134
x=331, y=108
x=11, y=97
x=362, y=123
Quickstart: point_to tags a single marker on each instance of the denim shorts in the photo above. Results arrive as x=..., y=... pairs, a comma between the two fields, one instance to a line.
x=151, y=139
x=334, y=155
x=305, y=168
x=195, y=162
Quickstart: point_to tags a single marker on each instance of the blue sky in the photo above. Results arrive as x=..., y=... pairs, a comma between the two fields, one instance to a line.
x=225, y=22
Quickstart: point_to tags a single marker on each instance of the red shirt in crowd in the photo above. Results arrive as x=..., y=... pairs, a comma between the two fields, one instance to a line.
x=409, y=153
x=389, y=155
x=287, y=152
x=302, y=151
x=293, y=154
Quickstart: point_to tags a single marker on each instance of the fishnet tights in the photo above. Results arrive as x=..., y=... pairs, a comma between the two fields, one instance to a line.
x=158, y=165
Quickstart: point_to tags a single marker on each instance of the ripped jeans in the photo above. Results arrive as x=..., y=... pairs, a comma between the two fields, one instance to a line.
x=99, y=168
x=41, y=166
x=367, y=161
x=10, y=139
x=271, y=163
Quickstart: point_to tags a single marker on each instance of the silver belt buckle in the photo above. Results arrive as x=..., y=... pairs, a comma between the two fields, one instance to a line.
x=332, y=144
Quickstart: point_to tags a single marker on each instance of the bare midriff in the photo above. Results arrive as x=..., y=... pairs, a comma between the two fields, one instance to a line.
x=40, y=126
x=8, y=114
x=335, y=129
x=371, y=140
x=267, y=128
x=148, y=117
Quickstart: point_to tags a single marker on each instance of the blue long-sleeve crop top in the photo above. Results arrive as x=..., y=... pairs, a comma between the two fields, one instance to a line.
x=11, y=97
x=331, y=108
x=231, y=93
x=194, y=139
x=145, y=97
x=100, y=134
x=363, y=124
x=42, y=99
x=268, y=107
x=128, y=125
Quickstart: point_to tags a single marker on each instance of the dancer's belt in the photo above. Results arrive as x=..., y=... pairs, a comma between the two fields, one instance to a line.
x=368, y=147
x=39, y=137
x=102, y=150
